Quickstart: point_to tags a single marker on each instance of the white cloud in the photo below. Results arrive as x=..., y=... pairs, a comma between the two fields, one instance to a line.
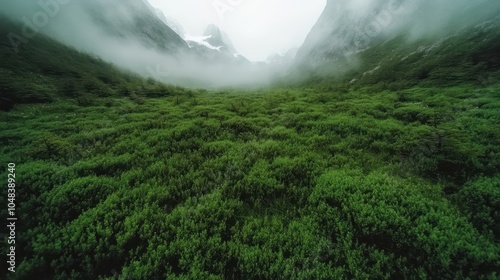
x=258, y=28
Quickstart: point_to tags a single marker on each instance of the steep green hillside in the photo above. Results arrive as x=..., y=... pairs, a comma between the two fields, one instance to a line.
x=44, y=70
x=470, y=55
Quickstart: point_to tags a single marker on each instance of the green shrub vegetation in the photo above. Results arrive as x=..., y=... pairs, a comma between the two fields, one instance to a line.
x=276, y=184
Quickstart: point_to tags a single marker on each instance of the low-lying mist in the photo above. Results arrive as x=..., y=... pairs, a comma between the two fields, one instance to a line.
x=419, y=18
x=74, y=23
x=347, y=27
x=105, y=28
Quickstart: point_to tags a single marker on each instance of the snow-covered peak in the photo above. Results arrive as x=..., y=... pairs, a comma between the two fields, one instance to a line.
x=212, y=45
x=219, y=38
x=201, y=40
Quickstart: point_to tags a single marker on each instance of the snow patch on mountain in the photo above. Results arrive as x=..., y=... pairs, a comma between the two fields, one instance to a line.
x=200, y=40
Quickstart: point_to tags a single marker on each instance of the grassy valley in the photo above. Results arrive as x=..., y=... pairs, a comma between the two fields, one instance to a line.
x=124, y=178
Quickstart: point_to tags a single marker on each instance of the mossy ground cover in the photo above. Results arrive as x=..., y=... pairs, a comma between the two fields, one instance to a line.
x=291, y=183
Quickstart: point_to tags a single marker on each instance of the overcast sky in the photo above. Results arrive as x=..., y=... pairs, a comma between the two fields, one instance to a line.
x=258, y=28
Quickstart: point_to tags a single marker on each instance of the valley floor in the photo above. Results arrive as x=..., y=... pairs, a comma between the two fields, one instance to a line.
x=292, y=183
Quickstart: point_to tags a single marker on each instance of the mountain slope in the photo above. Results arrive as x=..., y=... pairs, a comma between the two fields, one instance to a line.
x=214, y=46
x=133, y=20
x=470, y=55
x=173, y=24
x=219, y=39
x=385, y=43
x=45, y=70
x=83, y=23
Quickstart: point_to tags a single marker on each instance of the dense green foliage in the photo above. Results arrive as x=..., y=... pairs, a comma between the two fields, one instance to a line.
x=278, y=184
